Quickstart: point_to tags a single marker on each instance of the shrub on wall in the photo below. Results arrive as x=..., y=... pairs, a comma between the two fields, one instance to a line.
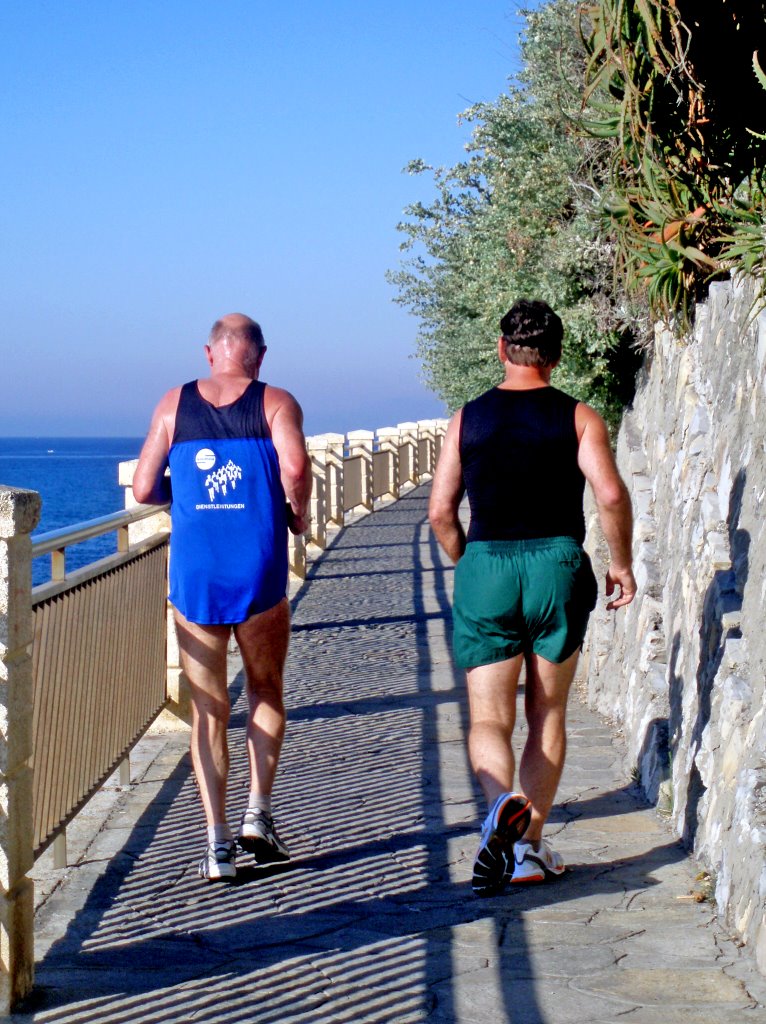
x=678, y=87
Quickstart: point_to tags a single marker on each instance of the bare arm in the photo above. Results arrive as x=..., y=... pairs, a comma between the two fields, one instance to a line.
x=150, y=485
x=285, y=418
x=447, y=493
x=612, y=500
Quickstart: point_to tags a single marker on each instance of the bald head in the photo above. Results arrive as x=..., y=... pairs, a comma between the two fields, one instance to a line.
x=236, y=346
x=236, y=327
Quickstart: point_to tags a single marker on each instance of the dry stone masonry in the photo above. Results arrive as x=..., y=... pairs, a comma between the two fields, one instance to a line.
x=682, y=669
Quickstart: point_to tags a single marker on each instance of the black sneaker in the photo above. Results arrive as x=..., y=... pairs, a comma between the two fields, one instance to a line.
x=506, y=822
x=219, y=862
x=258, y=836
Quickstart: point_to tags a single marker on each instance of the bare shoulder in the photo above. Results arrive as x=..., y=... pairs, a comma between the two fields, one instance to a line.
x=278, y=402
x=453, y=427
x=168, y=404
x=164, y=416
x=587, y=419
x=449, y=458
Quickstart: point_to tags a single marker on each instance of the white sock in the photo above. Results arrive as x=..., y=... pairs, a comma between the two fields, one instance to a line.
x=219, y=833
x=257, y=802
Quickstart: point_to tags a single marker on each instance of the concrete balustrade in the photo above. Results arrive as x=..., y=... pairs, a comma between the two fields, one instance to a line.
x=351, y=474
x=377, y=467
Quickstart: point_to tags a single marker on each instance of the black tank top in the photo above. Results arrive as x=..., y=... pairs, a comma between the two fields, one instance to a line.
x=198, y=418
x=518, y=451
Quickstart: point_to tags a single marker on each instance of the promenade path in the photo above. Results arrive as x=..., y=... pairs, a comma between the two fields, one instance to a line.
x=375, y=920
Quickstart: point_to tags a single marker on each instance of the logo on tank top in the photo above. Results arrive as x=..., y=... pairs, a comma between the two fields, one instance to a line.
x=220, y=481
x=205, y=458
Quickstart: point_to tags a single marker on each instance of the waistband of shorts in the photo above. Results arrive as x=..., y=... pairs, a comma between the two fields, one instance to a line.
x=512, y=547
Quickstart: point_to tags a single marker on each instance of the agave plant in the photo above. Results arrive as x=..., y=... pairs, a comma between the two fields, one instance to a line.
x=685, y=156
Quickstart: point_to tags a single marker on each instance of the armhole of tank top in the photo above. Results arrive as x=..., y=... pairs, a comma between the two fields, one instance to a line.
x=258, y=396
x=576, y=404
x=190, y=387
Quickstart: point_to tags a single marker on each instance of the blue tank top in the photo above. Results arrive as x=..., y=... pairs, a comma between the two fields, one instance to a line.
x=518, y=451
x=228, y=546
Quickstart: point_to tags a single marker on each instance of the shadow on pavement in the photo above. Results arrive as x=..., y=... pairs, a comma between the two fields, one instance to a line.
x=363, y=925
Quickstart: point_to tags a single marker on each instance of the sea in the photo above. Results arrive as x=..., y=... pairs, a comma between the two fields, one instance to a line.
x=77, y=480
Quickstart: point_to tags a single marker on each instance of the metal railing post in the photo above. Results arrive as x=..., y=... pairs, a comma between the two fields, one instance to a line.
x=19, y=514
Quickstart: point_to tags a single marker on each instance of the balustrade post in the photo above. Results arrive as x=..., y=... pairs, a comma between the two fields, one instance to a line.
x=144, y=528
x=408, y=440
x=296, y=556
x=334, y=457
x=317, y=449
x=440, y=432
x=19, y=514
x=426, y=448
x=388, y=439
x=176, y=717
x=360, y=443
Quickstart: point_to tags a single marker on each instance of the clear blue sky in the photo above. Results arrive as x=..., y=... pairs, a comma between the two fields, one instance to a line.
x=166, y=162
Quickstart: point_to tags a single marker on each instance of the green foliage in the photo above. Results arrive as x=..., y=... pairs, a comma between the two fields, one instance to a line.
x=621, y=172
x=519, y=217
x=685, y=184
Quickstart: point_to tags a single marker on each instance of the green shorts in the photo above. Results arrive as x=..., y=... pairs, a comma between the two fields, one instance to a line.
x=521, y=595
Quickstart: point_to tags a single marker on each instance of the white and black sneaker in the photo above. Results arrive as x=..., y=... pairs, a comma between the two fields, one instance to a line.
x=506, y=823
x=531, y=865
x=220, y=861
x=258, y=836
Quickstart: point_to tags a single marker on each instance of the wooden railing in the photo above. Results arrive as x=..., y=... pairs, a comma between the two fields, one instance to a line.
x=89, y=660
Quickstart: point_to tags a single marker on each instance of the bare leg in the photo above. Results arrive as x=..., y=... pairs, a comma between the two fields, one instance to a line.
x=547, y=691
x=203, y=658
x=492, y=703
x=263, y=641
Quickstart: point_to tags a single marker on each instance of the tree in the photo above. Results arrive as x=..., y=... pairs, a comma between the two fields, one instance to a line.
x=520, y=217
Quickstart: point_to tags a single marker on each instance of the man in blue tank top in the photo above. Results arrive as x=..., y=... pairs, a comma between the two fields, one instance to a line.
x=239, y=479
x=524, y=587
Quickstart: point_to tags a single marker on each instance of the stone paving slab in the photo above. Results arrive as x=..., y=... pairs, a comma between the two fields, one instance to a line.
x=374, y=920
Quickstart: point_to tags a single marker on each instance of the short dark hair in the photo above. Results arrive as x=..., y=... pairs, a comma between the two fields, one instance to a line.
x=248, y=330
x=532, y=333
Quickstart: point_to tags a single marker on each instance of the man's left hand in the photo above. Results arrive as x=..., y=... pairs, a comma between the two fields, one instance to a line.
x=624, y=579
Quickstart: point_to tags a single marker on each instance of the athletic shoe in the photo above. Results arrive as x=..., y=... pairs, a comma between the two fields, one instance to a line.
x=531, y=865
x=258, y=836
x=506, y=822
x=220, y=861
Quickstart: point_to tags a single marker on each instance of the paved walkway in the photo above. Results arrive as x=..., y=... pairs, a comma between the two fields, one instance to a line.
x=375, y=919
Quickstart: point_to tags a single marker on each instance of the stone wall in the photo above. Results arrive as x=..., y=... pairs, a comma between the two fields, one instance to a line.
x=681, y=670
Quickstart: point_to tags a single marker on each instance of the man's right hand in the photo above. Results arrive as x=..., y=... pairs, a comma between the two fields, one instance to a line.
x=625, y=581
x=297, y=524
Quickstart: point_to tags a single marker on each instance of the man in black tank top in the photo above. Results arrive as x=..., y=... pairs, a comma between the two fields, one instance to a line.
x=524, y=587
